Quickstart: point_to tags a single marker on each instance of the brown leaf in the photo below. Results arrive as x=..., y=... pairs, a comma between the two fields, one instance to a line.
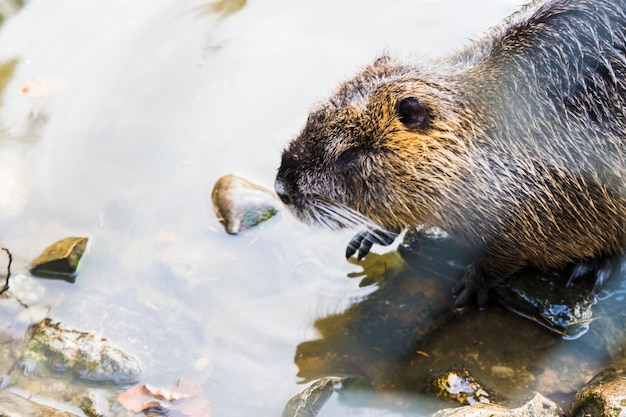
x=185, y=397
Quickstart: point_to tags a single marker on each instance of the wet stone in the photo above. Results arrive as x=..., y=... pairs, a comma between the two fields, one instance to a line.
x=60, y=260
x=240, y=204
x=542, y=297
x=86, y=356
x=503, y=372
x=538, y=406
x=94, y=402
x=603, y=396
x=310, y=401
x=462, y=387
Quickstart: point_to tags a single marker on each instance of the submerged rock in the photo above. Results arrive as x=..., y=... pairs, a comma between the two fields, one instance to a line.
x=88, y=357
x=538, y=406
x=566, y=310
x=603, y=396
x=462, y=387
x=310, y=401
x=240, y=204
x=60, y=260
x=542, y=297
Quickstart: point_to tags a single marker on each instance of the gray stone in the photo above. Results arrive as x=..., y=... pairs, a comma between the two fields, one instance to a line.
x=538, y=406
x=60, y=260
x=240, y=204
x=87, y=356
x=603, y=396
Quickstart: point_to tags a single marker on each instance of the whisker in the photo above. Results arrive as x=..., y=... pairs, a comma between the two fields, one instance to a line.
x=337, y=216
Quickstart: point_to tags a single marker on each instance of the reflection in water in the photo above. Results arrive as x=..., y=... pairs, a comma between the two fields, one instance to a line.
x=406, y=334
x=375, y=337
x=224, y=8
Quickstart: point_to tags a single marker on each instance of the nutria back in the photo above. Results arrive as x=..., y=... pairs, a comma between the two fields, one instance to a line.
x=514, y=145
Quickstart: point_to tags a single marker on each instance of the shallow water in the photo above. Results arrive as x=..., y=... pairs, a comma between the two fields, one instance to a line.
x=117, y=120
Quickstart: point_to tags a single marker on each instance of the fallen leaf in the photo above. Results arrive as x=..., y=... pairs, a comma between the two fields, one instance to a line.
x=185, y=398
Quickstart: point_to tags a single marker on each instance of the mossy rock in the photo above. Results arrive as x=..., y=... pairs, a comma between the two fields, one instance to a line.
x=61, y=259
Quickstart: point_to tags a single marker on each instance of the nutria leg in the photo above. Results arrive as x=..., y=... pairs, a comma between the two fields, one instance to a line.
x=602, y=266
x=474, y=281
x=363, y=242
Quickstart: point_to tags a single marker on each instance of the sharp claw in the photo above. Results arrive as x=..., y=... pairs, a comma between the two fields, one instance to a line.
x=463, y=297
x=366, y=245
x=362, y=243
x=351, y=249
x=355, y=244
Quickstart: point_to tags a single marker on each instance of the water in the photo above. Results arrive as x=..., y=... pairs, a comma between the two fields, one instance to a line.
x=116, y=122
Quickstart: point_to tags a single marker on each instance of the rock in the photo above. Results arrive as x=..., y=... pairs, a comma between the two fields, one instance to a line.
x=60, y=260
x=94, y=402
x=542, y=297
x=310, y=401
x=88, y=357
x=240, y=204
x=538, y=406
x=603, y=396
x=503, y=372
x=566, y=310
x=462, y=387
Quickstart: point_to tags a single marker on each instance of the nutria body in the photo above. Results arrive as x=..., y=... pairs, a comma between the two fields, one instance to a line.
x=515, y=146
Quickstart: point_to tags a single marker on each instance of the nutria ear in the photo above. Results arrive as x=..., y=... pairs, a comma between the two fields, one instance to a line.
x=382, y=60
x=412, y=113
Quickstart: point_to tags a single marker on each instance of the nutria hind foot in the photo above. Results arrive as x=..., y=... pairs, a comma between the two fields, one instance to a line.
x=472, y=282
x=601, y=266
x=362, y=243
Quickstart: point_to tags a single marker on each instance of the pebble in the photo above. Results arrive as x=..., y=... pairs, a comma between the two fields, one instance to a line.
x=239, y=204
x=60, y=260
x=503, y=372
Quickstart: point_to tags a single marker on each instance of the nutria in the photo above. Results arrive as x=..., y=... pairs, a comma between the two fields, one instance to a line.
x=515, y=146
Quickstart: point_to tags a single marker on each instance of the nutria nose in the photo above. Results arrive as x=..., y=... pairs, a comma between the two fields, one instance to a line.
x=282, y=190
x=285, y=184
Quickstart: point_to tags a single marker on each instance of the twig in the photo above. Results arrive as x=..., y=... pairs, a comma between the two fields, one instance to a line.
x=6, y=281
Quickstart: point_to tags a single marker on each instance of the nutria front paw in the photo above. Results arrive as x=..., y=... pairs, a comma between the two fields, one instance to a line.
x=363, y=242
x=602, y=267
x=471, y=283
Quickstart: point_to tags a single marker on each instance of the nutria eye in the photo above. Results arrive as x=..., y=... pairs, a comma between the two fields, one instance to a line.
x=411, y=113
x=348, y=155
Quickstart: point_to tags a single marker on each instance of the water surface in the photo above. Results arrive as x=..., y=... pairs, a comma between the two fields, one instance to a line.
x=117, y=119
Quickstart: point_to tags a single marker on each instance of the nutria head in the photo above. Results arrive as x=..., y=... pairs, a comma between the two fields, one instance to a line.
x=375, y=152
